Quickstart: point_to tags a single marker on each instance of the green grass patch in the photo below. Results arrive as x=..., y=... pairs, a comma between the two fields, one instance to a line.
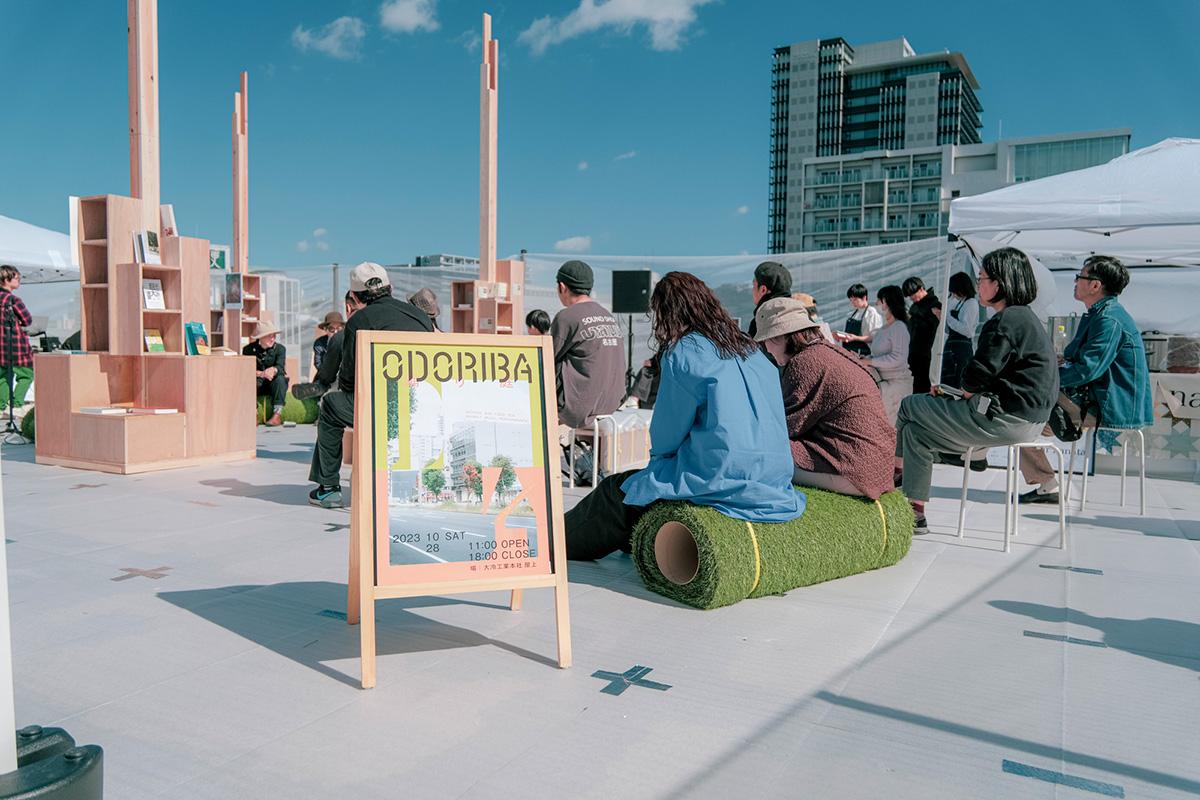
x=837, y=536
x=303, y=412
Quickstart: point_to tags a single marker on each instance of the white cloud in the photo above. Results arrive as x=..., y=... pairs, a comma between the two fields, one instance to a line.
x=574, y=244
x=301, y=246
x=583, y=165
x=322, y=246
x=340, y=39
x=666, y=20
x=319, y=232
x=626, y=156
x=409, y=16
x=472, y=40
x=743, y=210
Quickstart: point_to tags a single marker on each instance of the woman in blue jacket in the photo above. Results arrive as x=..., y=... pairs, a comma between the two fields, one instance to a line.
x=718, y=437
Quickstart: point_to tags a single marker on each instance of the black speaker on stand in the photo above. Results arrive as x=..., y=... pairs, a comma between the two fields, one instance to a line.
x=631, y=295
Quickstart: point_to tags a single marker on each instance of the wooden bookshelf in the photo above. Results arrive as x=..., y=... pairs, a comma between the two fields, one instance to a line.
x=480, y=306
x=213, y=395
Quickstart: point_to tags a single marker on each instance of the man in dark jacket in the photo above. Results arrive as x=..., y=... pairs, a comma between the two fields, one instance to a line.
x=923, y=317
x=370, y=285
x=771, y=280
x=270, y=368
x=327, y=372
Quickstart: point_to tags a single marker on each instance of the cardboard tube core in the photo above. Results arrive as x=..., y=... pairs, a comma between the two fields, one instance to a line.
x=676, y=553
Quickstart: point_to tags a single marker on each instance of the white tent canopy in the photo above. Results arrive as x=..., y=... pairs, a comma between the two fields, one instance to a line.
x=43, y=256
x=1141, y=207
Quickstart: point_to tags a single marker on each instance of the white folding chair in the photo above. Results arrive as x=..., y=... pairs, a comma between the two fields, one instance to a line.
x=594, y=432
x=1012, y=491
x=1089, y=448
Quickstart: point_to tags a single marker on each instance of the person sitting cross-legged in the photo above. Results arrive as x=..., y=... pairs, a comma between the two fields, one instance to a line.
x=1009, y=386
x=270, y=368
x=717, y=438
x=1104, y=369
x=842, y=441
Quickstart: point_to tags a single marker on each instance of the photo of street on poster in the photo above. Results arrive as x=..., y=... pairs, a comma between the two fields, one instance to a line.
x=463, y=451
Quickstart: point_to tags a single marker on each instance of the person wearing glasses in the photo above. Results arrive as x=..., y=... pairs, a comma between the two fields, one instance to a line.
x=1008, y=387
x=1104, y=369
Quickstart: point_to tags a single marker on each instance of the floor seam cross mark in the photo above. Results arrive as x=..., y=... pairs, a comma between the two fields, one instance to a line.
x=634, y=676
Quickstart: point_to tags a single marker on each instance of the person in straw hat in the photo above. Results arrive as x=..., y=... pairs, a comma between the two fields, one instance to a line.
x=841, y=439
x=332, y=323
x=270, y=359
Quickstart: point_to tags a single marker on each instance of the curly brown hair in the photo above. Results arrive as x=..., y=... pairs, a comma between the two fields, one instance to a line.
x=683, y=304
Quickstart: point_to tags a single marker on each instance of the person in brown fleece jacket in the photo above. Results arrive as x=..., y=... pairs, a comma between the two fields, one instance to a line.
x=841, y=438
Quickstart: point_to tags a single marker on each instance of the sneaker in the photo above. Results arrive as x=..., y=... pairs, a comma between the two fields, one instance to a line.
x=920, y=526
x=1040, y=497
x=275, y=421
x=977, y=464
x=326, y=497
x=304, y=391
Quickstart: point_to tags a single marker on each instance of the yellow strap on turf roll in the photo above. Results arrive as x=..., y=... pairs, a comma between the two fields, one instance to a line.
x=883, y=518
x=757, y=558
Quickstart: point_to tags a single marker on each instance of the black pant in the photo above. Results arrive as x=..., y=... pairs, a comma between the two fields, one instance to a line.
x=337, y=414
x=919, y=363
x=276, y=389
x=602, y=523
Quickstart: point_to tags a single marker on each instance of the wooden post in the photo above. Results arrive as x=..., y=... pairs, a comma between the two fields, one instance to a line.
x=143, y=109
x=241, y=184
x=489, y=73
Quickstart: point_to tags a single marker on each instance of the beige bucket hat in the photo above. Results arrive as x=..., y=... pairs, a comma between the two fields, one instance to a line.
x=781, y=316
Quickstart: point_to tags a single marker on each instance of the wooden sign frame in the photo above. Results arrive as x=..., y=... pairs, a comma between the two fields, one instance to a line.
x=365, y=586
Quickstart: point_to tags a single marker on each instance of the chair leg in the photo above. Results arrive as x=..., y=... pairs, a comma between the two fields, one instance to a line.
x=1016, y=483
x=1087, y=462
x=1008, y=492
x=962, y=503
x=1071, y=474
x=1062, y=503
x=1124, y=466
x=595, y=452
x=571, y=461
x=1142, y=475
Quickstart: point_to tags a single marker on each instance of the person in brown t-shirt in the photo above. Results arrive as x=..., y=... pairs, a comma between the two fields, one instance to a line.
x=589, y=353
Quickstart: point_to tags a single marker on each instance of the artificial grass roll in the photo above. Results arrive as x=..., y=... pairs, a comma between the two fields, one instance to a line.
x=715, y=565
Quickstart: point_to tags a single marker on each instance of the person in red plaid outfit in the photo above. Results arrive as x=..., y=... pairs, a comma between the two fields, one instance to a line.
x=16, y=357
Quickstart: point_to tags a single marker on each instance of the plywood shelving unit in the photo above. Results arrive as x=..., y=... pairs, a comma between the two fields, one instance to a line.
x=213, y=395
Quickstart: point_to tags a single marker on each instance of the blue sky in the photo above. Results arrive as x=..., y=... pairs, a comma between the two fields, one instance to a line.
x=626, y=126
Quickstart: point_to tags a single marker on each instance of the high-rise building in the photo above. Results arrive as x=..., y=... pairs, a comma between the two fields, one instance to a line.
x=869, y=144
x=829, y=98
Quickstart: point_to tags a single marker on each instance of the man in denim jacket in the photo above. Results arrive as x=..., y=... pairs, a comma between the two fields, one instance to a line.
x=1106, y=362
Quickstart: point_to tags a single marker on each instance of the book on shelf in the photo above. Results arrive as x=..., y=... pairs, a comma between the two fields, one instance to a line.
x=233, y=291
x=146, y=247
x=167, y=220
x=105, y=411
x=152, y=294
x=247, y=318
x=223, y=351
x=148, y=411
x=197, y=339
x=154, y=341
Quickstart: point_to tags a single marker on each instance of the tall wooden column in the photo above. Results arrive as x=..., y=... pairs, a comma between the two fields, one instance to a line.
x=241, y=181
x=143, y=109
x=489, y=73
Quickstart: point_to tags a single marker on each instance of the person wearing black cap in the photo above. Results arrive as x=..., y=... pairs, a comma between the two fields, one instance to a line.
x=589, y=352
x=771, y=280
